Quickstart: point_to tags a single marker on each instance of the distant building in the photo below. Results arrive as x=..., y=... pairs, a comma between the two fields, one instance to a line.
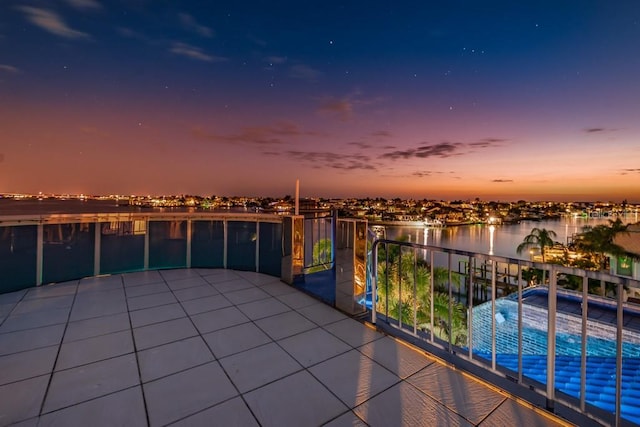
x=628, y=266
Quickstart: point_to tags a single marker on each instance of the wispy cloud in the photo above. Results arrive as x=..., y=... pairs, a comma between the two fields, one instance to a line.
x=85, y=4
x=443, y=149
x=9, y=69
x=341, y=108
x=630, y=171
x=273, y=59
x=304, y=72
x=51, y=22
x=189, y=23
x=275, y=134
x=194, y=52
x=362, y=145
x=501, y=180
x=598, y=130
x=381, y=134
x=488, y=142
x=422, y=174
x=325, y=159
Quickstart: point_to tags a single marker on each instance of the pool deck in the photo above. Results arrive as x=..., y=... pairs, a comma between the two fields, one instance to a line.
x=221, y=347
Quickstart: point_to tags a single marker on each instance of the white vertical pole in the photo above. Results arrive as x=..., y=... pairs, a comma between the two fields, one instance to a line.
x=96, y=247
x=146, y=243
x=39, y=253
x=189, y=232
x=297, y=197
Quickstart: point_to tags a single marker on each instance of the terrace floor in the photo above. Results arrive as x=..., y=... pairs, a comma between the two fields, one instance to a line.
x=204, y=347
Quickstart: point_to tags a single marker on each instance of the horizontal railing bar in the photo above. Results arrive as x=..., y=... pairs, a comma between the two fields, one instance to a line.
x=15, y=220
x=596, y=275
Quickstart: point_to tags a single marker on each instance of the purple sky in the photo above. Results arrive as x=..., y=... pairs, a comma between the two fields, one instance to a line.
x=497, y=100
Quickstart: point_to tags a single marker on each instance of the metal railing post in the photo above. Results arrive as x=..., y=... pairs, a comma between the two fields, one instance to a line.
x=257, y=246
x=189, y=231
x=39, y=253
x=493, y=314
x=374, y=281
x=400, y=286
x=146, y=243
x=431, y=295
x=583, y=350
x=415, y=291
x=450, y=314
x=225, y=237
x=470, y=311
x=520, y=306
x=551, y=340
x=619, y=326
x=96, y=248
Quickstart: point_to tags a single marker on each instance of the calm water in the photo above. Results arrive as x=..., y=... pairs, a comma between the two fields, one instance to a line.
x=500, y=240
x=53, y=206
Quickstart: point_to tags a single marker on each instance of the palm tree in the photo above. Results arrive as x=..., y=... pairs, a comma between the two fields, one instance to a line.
x=322, y=251
x=598, y=241
x=540, y=238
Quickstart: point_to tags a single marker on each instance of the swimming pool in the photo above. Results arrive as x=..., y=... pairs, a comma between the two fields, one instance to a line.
x=600, y=350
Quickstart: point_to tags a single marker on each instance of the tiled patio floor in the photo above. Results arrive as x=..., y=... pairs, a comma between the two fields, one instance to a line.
x=219, y=347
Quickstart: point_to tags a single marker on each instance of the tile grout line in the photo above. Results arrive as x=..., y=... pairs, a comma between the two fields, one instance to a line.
x=135, y=352
x=215, y=359
x=66, y=325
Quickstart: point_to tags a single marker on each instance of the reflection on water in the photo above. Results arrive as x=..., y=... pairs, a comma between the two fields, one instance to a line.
x=500, y=240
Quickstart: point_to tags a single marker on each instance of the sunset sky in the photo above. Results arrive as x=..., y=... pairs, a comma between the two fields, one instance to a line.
x=496, y=99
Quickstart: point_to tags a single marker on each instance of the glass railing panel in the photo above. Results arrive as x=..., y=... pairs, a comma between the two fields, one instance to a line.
x=122, y=246
x=241, y=245
x=317, y=244
x=68, y=251
x=207, y=244
x=167, y=244
x=270, y=248
x=17, y=257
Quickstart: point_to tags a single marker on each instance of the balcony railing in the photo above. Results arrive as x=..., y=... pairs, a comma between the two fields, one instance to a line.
x=485, y=309
x=482, y=309
x=55, y=248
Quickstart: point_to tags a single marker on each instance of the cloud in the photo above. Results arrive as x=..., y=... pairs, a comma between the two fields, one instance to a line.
x=342, y=108
x=501, y=180
x=442, y=150
x=9, y=69
x=193, y=52
x=423, y=174
x=628, y=171
x=51, y=22
x=190, y=24
x=340, y=161
x=274, y=134
x=304, y=72
x=381, y=134
x=276, y=59
x=362, y=145
x=488, y=142
x=598, y=130
x=85, y=4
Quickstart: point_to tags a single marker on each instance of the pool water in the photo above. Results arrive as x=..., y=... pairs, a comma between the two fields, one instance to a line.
x=601, y=353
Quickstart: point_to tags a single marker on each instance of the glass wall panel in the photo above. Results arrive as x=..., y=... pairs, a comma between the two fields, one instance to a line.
x=17, y=257
x=270, y=248
x=122, y=246
x=167, y=244
x=207, y=244
x=241, y=245
x=68, y=251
